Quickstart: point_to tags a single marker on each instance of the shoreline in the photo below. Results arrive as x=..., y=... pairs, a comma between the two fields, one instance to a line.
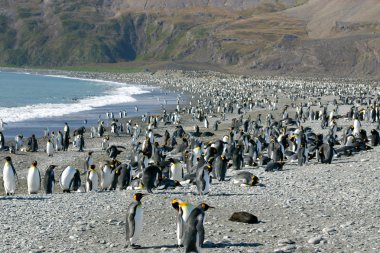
x=312, y=208
x=147, y=101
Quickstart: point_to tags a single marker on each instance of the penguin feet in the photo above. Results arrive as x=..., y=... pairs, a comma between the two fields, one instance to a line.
x=135, y=246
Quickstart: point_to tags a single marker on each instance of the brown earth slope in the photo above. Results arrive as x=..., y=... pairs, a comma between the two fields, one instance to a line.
x=336, y=37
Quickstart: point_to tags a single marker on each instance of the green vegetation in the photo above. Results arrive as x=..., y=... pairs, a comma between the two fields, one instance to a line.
x=80, y=33
x=110, y=68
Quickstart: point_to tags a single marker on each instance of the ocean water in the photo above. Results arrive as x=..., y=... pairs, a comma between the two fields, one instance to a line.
x=32, y=103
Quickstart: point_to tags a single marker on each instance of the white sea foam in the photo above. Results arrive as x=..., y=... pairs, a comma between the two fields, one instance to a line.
x=119, y=93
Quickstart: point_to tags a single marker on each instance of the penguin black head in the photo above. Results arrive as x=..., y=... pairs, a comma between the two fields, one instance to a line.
x=175, y=204
x=90, y=152
x=209, y=168
x=254, y=180
x=8, y=159
x=205, y=207
x=92, y=166
x=138, y=196
x=34, y=163
x=52, y=167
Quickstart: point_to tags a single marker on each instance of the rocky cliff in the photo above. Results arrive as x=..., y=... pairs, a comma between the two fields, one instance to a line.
x=246, y=36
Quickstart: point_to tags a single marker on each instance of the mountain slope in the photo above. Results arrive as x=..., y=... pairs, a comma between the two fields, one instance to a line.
x=281, y=36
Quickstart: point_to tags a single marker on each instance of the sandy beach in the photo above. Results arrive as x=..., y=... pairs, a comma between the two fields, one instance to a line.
x=311, y=208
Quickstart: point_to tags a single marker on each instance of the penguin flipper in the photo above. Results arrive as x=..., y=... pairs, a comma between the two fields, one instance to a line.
x=130, y=223
x=89, y=181
x=203, y=181
x=71, y=183
x=200, y=230
x=181, y=225
x=15, y=173
x=39, y=175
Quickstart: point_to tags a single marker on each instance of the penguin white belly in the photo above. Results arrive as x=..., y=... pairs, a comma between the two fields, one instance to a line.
x=239, y=181
x=9, y=179
x=33, y=180
x=197, y=243
x=176, y=172
x=49, y=149
x=356, y=127
x=107, y=177
x=186, y=212
x=66, y=177
x=206, y=178
x=138, y=224
x=94, y=179
x=179, y=237
x=59, y=146
x=52, y=187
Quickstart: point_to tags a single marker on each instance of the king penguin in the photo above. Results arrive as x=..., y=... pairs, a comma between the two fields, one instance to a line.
x=220, y=167
x=34, y=179
x=202, y=179
x=107, y=175
x=194, y=230
x=125, y=172
x=245, y=178
x=184, y=209
x=49, y=180
x=134, y=221
x=9, y=176
x=152, y=177
x=49, y=148
x=92, y=179
x=70, y=179
x=176, y=171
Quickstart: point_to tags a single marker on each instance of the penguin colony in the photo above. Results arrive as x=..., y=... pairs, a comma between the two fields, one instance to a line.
x=184, y=157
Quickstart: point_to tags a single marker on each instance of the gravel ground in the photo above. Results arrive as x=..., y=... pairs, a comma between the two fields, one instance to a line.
x=313, y=208
x=329, y=208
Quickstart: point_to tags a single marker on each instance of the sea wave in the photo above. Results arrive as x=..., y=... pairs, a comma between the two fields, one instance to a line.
x=119, y=94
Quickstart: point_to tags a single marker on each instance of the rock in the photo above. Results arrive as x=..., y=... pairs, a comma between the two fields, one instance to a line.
x=284, y=242
x=329, y=231
x=347, y=224
x=261, y=230
x=286, y=249
x=289, y=248
x=315, y=240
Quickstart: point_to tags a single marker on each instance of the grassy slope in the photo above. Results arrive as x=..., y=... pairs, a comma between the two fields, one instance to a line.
x=90, y=35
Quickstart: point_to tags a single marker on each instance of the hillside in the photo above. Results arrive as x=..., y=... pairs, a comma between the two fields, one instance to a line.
x=246, y=36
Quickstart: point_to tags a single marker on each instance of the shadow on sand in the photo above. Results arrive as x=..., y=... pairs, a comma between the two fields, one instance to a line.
x=224, y=245
x=22, y=198
x=207, y=246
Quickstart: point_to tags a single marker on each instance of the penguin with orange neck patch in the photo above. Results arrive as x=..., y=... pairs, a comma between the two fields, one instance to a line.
x=194, y=230
x=34, y=179
x=134, y=221
x=184, y=209
x=203, y=178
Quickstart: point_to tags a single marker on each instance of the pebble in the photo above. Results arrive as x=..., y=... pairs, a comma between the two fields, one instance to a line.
x=315, y=240
x=329, y=231
x=283, y=242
